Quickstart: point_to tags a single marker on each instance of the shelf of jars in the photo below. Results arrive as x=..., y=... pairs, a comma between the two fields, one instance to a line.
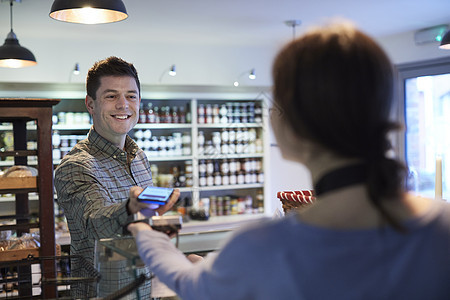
x=231, y=187
x=200, y=146
x=232, y=142
x=230, y=125
x=161, y=126
x=10, y=127
x=215, y=110
x=11, y=198
x=168, y=158
x=232, y=203
x=10, y=162
x=231, y=156
x=229, y=113
x=7, y=145
x=153, y=159
x=88, y=126
x=77, y=127
x=164, y=145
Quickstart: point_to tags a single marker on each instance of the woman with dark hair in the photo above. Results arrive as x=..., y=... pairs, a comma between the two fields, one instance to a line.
x=333, y=95
x=365, y=237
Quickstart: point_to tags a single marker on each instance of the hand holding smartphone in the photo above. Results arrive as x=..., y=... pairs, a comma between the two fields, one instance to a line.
x=155, y=195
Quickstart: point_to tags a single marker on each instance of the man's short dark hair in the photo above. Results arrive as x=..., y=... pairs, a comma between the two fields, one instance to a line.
x=111, y=66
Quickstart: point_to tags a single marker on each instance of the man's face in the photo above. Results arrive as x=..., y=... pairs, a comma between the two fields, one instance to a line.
x=116, y=109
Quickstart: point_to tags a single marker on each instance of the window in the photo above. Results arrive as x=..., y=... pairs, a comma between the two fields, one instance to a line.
x=425, y=90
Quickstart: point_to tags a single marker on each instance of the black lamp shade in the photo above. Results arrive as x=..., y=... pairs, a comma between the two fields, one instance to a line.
x=12, y=55
x=88, y=11
x=445, y=43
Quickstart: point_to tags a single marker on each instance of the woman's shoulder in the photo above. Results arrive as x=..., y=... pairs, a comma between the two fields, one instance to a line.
x=255, y=242
x=427, y=209
x=264, y=231
x=440, y=210
x=428, y=218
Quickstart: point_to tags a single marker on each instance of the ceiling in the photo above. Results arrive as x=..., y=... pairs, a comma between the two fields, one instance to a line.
x=231, y=22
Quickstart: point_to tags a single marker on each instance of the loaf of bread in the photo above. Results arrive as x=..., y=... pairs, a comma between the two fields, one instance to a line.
x=20, y=171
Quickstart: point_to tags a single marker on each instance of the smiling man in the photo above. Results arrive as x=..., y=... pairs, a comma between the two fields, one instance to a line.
x=98, y=181
x=114, y=108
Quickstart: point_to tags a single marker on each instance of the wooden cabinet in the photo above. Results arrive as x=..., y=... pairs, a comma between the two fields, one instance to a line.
x=19, y=112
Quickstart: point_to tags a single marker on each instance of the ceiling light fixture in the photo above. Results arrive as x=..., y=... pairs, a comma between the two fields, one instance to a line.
x=88, y=11
x=445, y=42
x=172, y=71
x=76, y=69
x=12, y=55
x=293, y=24
x=430, y=35
x=251, y=75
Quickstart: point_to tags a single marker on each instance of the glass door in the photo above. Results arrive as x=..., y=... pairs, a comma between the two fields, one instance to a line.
x=425, y=90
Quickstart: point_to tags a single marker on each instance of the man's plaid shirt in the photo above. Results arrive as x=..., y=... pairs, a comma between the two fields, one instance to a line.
x=92, y=183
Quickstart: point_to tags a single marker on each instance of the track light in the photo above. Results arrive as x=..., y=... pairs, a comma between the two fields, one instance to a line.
x=12, y=55
x=76, y=69
x=445, y=42
x=251, y=75
x=430, y=35
x=172, y=71
x=88, y=11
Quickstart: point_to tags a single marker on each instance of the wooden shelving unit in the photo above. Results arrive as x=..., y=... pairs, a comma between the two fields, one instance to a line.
x=19, y=111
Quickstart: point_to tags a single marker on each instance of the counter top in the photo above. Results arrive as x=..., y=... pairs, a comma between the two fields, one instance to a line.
x=198, y=236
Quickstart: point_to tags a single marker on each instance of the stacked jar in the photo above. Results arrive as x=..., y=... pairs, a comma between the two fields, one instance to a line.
x=207, y=171
x=230, y=141
x=189, y=173
x=234, y=205
x=230, y=171
x=177, y=144
x=175, y=114
x=179, y=175
x=71, y=118
x=230, y=112
x=62, y=144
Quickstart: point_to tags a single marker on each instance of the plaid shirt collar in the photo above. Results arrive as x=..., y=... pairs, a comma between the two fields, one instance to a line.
x=102, y=144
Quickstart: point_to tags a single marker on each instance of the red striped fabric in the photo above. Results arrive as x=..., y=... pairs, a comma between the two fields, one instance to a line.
x=305, y=196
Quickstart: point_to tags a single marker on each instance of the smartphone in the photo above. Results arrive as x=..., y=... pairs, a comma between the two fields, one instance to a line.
x=155, y=195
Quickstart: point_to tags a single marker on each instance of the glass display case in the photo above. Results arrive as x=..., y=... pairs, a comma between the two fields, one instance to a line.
x=123, y=275
x=120, y=267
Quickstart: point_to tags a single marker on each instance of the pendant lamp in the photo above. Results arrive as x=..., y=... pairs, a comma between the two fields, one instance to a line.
x=12, y=55
x=445, y=43
x=88, y=11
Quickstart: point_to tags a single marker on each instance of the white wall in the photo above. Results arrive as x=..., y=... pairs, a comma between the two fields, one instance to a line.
x=196, y=64
x=401, y=48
